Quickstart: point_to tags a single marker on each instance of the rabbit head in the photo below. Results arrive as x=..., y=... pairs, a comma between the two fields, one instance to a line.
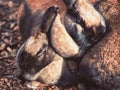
x=35, y=53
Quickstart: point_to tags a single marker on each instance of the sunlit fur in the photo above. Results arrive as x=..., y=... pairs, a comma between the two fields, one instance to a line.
x=28, y=59
x=36, y=60
x=100, y=66
x=90, y=15
x=61, y=40
x=31, y=12
x=32, y=66
x=84, y=24
x=80, y=28
x=49, y=68
x=99, y=69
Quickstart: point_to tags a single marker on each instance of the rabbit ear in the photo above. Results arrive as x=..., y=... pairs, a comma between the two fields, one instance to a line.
x=48, y=18
x=24, y=21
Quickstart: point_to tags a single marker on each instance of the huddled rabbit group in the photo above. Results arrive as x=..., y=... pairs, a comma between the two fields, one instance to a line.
x=68, y=42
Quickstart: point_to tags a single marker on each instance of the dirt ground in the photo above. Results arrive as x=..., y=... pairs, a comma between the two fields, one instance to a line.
x=10, y=41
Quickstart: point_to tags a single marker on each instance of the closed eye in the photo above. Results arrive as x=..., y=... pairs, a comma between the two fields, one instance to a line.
x=42, y=50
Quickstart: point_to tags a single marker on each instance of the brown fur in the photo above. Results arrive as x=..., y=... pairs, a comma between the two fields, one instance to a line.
x=78, y=36
x=100, y=66
x=61, y=40
x=44, y=4
x=101, y=63
x=28, y=17
x=36, y=60
x=46, y=66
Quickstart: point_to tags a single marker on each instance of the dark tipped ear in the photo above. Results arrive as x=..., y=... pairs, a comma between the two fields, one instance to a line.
x=48, y=18
x=70, y=3
x=24, y=21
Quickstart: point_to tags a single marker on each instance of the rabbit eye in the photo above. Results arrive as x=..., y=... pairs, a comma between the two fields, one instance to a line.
x=42, y=50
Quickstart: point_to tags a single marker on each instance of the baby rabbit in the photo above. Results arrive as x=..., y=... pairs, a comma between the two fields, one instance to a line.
x=84, y=27
x=34, y=49
x=86, y=14
x=100, y=67
x=36, y=60
x=77, y=37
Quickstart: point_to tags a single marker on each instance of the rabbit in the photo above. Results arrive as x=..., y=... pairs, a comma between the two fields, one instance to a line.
x=79, y=30
x=31, y=13
x=100, y=67
x=36, y=45
x=37, y=60
x=88, y=14
x=84, y=24
x=79, y=36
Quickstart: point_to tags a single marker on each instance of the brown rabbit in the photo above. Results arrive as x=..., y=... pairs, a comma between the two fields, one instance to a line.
x=31, y=12
x=77, y=39
x=36, y=60
x=80, y=28
x=92, y=22
x=100, y=67
x=30, y=17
